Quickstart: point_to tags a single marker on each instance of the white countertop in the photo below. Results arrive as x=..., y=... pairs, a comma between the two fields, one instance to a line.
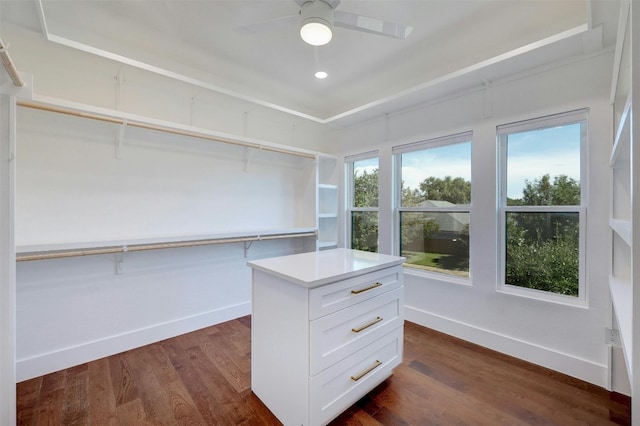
x=318, y=268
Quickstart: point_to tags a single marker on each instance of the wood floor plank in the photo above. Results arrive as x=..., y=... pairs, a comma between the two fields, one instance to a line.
x=217, y=349
x=160, y=363
x=51, y=401
x=353, y=416
x=491, y=379
x=154, y=397
x=620, y=407
x=221, y=389
x=208, y=407
x=236, y=333
x=124, y=388
x=179, y=401
x=102, y=402
x=27, y=394
x=203, y=378
x=246, y=321
x=261, y=416
x=494, y=396
x=132, y=413
x=188, y=340
x=424, y=398
x=183, y=407
x=76, y=402
x=493, y=391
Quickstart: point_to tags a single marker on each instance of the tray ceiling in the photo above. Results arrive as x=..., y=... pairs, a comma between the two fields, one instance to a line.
x=455, y=45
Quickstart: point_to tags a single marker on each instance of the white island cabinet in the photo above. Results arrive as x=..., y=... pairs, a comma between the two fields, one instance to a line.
x=326, y=328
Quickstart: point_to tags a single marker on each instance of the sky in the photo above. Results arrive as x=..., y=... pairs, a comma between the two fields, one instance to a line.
x=555, y=151
x=530, y=155
x=449, y=160
x=368, y=165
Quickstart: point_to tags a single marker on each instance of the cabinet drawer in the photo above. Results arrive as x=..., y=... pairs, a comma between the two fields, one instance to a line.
x=338, y=387
x=333, y=297
x=338, y=335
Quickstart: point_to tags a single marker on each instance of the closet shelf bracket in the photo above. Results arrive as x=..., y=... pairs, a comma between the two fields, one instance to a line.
x=248, y=153
x=248, y=244
x=120, y=260
x=120, y=139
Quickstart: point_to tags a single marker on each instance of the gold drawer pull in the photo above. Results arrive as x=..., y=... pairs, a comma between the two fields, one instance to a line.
x=367, y=371
x=359, y=329
x=362, y=290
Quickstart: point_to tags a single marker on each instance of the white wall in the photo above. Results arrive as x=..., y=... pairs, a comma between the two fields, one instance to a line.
x=73, y=310
x=564, y=338
x=72, y=186
x=7, y=259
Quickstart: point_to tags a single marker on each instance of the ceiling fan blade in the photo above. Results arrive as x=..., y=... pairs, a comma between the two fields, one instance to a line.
x=371, y=25
x=270, y=25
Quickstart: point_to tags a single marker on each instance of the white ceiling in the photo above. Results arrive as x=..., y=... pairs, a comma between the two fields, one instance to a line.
x=456, y=45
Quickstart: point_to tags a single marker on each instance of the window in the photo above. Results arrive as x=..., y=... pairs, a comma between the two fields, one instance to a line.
x=542, y=206
x=363, y=201
x=433, y=195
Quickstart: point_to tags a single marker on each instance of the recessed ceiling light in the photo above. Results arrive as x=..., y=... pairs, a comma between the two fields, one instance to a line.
x=321, y=74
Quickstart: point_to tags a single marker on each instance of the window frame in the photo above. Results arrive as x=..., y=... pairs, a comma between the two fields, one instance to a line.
x=350, y=194
x=397, y=151
x=502, y=133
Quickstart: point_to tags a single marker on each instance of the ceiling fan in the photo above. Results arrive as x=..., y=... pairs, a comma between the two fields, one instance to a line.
x=318, y=17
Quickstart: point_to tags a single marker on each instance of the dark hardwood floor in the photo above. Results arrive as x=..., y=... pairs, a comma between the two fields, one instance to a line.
x=203, y=378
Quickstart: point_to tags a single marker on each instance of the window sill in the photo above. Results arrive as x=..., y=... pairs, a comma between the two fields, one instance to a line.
x=435, y=276
x=543, y=296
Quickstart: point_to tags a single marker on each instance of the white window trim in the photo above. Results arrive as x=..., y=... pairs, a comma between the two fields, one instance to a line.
x=437, y=276
x=502, y=131
x=397, y=152
x=349, y=184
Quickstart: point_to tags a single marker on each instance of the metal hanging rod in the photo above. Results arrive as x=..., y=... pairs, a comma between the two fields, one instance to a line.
x=166, y=129
x=156, y=246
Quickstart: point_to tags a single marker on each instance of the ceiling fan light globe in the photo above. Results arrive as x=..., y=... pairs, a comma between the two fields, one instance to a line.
x=316, y=32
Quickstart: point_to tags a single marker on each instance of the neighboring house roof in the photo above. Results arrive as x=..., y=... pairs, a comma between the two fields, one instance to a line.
x=448, y=221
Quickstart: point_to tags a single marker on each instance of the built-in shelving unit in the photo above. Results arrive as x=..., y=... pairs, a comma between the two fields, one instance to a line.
x=133, y=120
x=317, y=190
x=94, y=185
x=624, y=218
x=327, y=203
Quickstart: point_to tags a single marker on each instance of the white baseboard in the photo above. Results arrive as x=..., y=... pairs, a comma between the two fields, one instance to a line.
x=49, y=362
x=564, y=363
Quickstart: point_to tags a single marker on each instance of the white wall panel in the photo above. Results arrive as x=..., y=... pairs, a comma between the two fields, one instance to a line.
x=73, y=310
x=7, y=256
x=72, y=187
x=565, y=338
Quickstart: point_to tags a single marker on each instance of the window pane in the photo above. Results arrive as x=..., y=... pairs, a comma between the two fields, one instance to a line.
x=365, y=183
x=543, y=167
x=364, y=231
x=436, y=241
x=542, y=251
x=437, y=177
